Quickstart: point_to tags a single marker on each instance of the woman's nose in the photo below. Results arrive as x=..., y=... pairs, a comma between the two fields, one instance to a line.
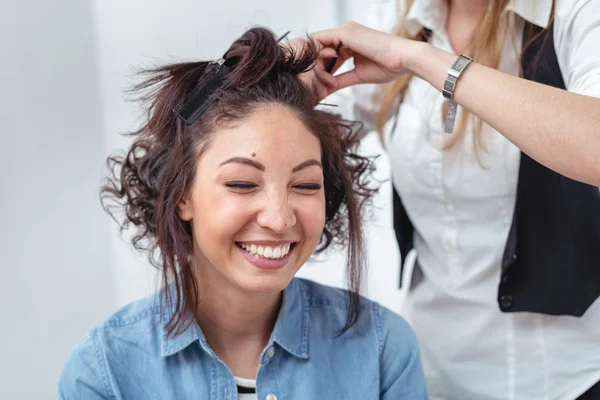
x=277, y=214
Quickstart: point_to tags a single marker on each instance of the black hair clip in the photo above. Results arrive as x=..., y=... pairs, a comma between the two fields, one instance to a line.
x=205, y=91
x=334, y=59
x=283, y=36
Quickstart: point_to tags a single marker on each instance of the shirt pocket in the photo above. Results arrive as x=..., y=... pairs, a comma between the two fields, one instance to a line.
x=490, y=171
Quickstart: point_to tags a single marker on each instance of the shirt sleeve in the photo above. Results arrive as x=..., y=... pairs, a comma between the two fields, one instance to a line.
x=576, y=38
x=400, y=362
x=82, y=376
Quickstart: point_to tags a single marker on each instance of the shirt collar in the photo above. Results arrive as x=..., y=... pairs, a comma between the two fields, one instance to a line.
x=172, y=344
x=537, y=12
x=290, y=331
x=291, y=328
x=431, y=14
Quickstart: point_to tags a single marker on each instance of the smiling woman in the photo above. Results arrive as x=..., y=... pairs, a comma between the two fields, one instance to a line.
x=233, y=182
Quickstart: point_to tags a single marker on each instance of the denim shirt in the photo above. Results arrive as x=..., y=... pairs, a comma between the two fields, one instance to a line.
x=130, y=356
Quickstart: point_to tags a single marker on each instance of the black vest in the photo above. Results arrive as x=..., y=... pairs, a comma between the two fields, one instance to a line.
x=551, y=262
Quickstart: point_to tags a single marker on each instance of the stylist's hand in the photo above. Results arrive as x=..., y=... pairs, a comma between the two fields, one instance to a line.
x=318, y=82
x=378, y=57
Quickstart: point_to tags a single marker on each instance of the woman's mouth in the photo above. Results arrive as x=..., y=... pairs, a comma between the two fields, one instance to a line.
x=268, y=252
x=267, y=256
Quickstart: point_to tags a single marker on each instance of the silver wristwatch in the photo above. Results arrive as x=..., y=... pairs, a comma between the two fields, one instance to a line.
x=454, y=73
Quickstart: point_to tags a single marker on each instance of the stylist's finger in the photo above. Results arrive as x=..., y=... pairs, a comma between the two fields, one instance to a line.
x=326, y=78
x=332, y=37
x=328, y=60
x=328, y=52
x=344, y=55
x=346, y=79
x=333, y=64
x=358, y=38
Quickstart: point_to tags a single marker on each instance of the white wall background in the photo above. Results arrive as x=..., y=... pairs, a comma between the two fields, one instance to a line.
x=63, y=68
x=55, y=279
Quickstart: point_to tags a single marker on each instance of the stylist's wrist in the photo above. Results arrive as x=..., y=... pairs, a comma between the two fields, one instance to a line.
x=411, y=53
x=430, y=63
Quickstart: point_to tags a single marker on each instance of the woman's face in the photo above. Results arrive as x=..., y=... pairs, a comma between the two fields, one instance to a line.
x=257, y=204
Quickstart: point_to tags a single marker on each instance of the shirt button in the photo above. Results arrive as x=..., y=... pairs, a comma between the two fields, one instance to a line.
x=448, y=242
x=506, y=301
x=271, y=352
x=449, y=208
x=271, y=396
x=437, y=144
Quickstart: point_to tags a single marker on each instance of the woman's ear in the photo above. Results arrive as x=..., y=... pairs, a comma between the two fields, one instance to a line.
x=184, y=208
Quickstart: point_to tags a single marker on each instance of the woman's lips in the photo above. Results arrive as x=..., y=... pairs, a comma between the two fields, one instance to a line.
x=267, y=263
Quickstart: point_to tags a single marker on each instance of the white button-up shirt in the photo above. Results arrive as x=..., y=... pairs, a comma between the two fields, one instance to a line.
x=462, y=211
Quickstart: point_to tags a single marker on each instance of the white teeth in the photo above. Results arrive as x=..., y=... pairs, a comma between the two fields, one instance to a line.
x=266, y=251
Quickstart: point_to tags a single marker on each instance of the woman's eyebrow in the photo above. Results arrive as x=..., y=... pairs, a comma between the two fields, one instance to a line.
x=245, y=161
x=260, y=167
x=306, y=164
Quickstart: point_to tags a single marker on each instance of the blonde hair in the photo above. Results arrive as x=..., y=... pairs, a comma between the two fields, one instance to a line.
x=485, y=48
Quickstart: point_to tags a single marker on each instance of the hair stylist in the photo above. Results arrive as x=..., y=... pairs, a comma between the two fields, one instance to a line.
x=503, y=213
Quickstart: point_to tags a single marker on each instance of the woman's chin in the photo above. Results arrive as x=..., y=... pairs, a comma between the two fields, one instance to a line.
x=264, y=284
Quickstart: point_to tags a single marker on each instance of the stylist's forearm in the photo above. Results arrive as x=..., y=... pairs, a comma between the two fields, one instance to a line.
x=559, y=129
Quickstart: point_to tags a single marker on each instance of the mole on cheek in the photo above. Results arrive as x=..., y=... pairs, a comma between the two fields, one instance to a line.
x=253, y=154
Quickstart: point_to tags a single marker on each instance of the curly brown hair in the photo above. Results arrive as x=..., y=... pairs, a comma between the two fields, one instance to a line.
x=152, y=177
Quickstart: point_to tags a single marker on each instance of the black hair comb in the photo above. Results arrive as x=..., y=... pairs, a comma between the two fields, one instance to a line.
x=205, y=92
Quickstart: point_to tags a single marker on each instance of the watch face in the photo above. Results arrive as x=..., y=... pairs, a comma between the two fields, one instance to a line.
x=461, y=63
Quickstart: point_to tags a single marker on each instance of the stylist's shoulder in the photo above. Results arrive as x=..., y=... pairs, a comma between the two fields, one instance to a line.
x=82, y=376
x=400, y=361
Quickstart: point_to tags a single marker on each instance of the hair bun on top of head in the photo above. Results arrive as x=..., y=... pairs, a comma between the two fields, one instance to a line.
x=249, y=60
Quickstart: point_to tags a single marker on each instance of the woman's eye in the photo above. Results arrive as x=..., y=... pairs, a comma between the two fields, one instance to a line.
x=309, y=187
x=241, y=185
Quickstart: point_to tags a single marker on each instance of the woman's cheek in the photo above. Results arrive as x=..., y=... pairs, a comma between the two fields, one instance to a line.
x=227, y=213
x=312, y=214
